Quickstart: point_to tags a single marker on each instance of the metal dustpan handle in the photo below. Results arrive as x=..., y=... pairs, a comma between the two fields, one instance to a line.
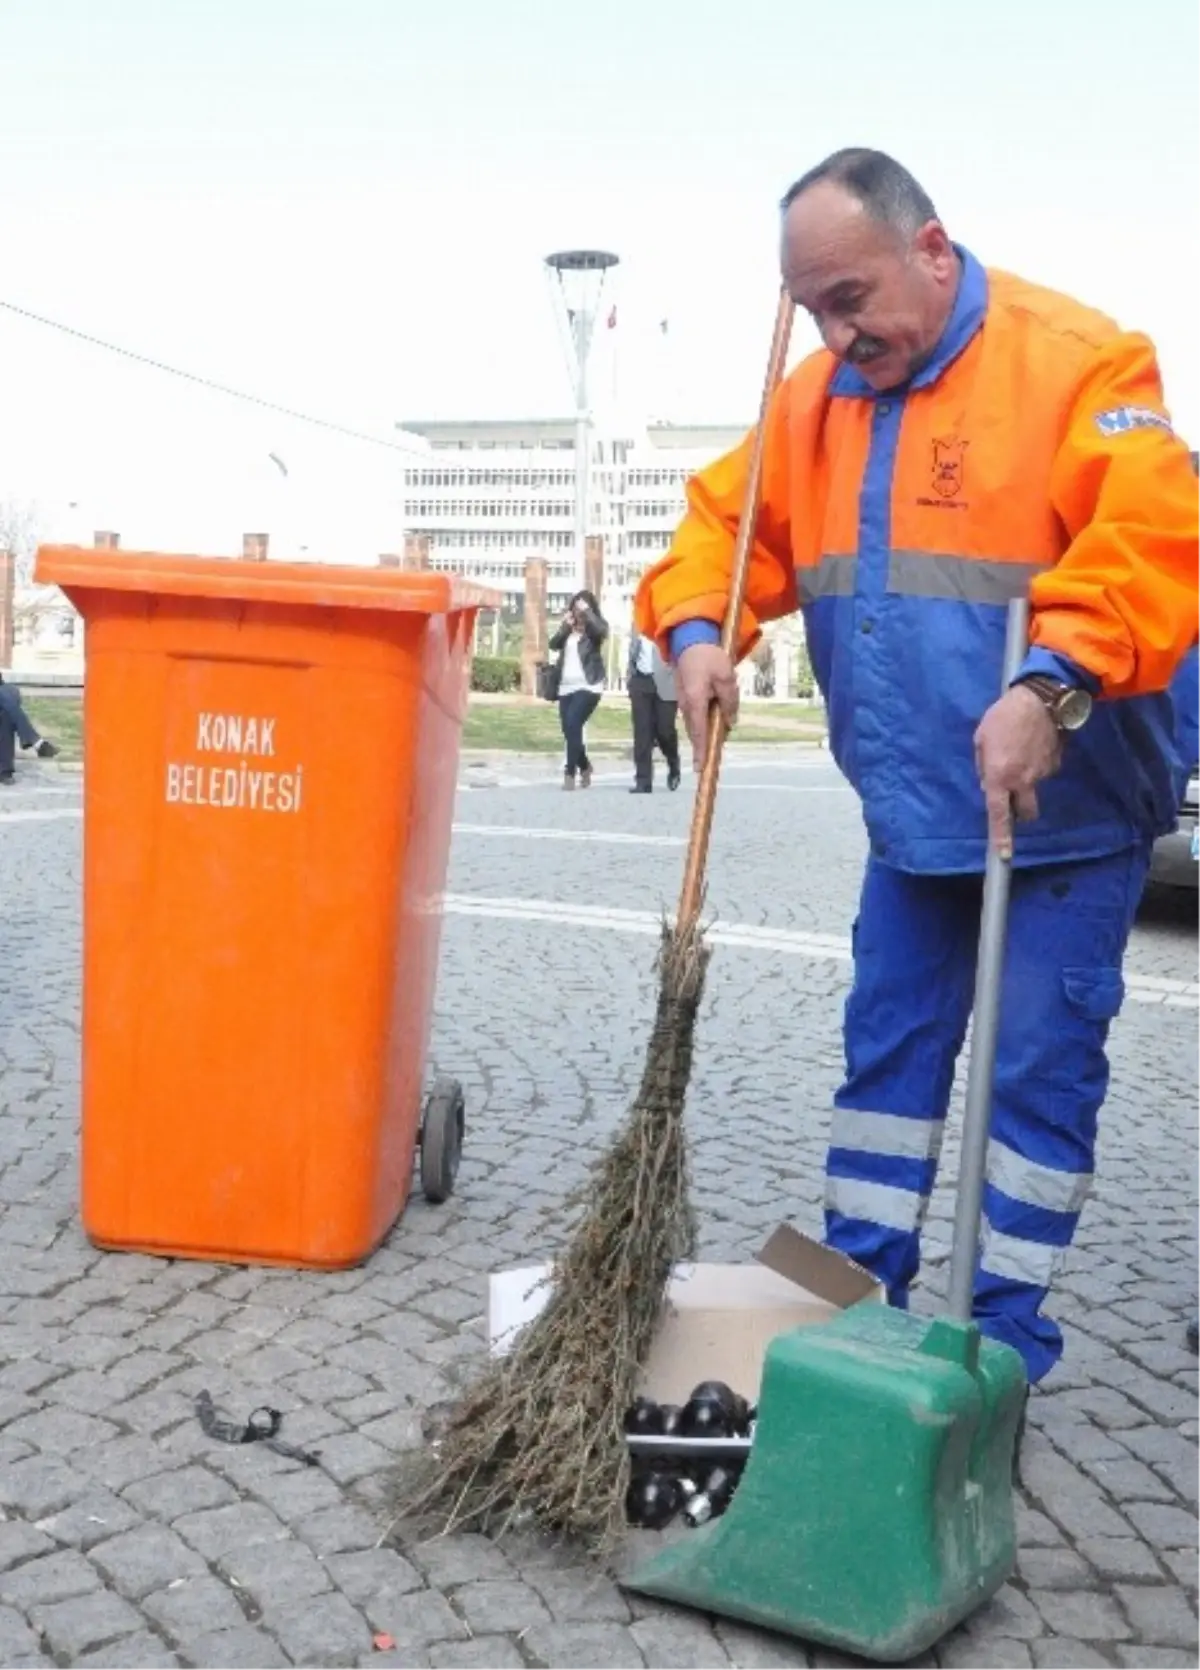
x=977, y=1118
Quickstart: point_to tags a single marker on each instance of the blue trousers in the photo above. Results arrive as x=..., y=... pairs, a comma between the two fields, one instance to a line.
x=915, y=946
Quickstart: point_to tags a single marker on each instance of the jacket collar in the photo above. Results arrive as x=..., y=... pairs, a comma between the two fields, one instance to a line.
x=966, y=318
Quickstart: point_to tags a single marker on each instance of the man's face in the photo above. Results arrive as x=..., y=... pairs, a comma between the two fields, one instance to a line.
x=879, y=301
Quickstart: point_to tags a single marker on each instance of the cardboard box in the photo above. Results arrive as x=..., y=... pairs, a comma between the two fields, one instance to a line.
x=720, y=1318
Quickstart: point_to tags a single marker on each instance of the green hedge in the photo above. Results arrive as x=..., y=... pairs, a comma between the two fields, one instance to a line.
x=495, y=674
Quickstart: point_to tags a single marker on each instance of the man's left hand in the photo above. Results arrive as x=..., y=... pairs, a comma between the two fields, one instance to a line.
x=1017, y=745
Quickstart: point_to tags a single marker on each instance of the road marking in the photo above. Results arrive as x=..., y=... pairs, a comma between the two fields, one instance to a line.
x=612, y=837
x=794, y=942
x=48, y=815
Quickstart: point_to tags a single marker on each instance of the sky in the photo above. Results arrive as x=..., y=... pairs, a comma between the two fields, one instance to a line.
x=344, y=206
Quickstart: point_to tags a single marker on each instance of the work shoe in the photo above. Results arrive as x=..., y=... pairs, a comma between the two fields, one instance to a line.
x=673, y=778
x=641, y=788
x=46, y=750
x=585, y=777
x=568, y=783
x=8, y=777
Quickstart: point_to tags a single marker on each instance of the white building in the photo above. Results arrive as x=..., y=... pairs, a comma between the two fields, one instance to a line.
x=490, y=495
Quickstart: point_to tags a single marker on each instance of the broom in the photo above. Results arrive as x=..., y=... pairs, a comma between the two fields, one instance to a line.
x=540, y=1436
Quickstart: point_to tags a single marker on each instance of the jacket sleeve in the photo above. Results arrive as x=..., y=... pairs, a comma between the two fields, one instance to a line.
x=1121, y=603
x=692, y=581
x=596, y=627
x=558, y=640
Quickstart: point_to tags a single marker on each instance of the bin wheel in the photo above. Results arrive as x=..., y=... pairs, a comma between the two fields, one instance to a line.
x=442, y=1140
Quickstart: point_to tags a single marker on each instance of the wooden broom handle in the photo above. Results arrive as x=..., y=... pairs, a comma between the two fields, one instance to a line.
x=706, y=794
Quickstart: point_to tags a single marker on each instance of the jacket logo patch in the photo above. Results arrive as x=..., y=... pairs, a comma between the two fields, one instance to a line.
x=946, y=475
x=1121, y=419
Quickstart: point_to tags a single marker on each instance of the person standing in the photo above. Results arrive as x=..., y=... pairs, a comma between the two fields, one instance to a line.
x=16, y=726
x=578, y=643
x=654, y=709
x=963, y=438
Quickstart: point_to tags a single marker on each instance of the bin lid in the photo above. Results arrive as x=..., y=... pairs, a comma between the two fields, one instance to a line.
x=235, y=580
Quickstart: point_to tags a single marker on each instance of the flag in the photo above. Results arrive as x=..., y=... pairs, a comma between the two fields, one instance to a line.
x=612, y=319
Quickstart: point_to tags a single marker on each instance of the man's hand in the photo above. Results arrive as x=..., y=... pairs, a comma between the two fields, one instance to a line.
x=1016, y=746
x=705, y=674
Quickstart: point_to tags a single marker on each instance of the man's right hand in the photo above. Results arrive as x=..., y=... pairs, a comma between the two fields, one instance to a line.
x=704, y=674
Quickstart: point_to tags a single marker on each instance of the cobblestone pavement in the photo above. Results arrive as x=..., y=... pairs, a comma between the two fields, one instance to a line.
x=129, y=1538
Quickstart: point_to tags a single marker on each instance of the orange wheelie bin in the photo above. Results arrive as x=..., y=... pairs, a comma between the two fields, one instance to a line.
x=270, y=761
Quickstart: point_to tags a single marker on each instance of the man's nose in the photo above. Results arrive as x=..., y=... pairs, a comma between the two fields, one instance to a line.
x=839, y=336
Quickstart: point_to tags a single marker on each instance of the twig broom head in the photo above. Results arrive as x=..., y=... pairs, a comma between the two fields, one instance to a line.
x=541, y=1433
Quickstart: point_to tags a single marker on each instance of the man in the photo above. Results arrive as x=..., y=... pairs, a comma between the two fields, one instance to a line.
x=962, y=438
x=651, y=686
x=15, y=724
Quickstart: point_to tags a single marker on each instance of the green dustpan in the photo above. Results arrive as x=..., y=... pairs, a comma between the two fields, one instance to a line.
x=876, y=1509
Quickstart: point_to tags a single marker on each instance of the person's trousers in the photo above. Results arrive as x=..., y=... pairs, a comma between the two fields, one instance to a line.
x=915, y=948
x=19, y=722
x=574, y=711
x=653, y=722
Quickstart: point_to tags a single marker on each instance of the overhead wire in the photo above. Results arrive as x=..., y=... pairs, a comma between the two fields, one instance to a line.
x=206, y=382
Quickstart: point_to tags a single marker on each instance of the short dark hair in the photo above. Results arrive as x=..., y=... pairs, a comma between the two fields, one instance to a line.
x=886, y=189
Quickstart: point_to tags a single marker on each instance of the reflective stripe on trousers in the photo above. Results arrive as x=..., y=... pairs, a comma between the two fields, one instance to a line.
x=915, y=945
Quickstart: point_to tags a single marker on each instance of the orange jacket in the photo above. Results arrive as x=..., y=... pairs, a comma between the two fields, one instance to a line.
x=1032, y=455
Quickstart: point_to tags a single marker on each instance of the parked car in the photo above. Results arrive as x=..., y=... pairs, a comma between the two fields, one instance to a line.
x=1175, y=861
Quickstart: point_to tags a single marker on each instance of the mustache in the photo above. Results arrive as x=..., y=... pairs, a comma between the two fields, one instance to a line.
x=864, y=349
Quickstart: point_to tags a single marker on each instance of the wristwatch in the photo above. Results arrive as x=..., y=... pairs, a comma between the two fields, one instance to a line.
x=1068, y=705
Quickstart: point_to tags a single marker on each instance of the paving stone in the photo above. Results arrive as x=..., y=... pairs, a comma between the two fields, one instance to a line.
x=965, y=1652
x=1184, y=1567
x=275, y=1572
x=1034, y=1530
x=52, y=1577
x=133, y=1652
x=123, y=1460
x=1053, y=1568
x=146, y=1559
x=169, y=1495
x=91, y=1519
x=678, y=1641
x=421, y=1616
x=1160, y=1616
x=757, y=1649
x=1061, y=1653
x=1156, y=1658
x=16, y=1638
x=491, y=1607
x=59, y=1431
x=1129, y=1480
x=243, y=1648
x=297, y=1495
x=1085, y=1615
x=334, y=1530
x=39, y=1485
x=467, y=1558
x=20, y=1541
x=349, y=1456
x=1164, y=1527
x=377, y=1573
x=485, y=1652
x=1007, y=1616
x=73, y=1627
x=194, y=1607
x=1071, y=1499
x=326, y=1630
x=578, y=1596
x=217, y=1531
x=1119, y=1558
x=585, y=1646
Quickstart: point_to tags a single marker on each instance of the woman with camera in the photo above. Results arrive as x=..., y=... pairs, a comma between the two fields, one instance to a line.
x=580, y=667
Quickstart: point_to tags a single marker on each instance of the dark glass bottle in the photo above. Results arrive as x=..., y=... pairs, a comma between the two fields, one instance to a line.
x=652, y=1500
x=643, y=1417
x=711, y=1502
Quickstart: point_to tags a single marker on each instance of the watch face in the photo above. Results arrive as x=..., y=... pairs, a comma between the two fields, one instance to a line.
x=1074, y=709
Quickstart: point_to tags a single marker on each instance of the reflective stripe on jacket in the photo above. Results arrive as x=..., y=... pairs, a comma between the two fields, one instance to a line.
x=1031, y=455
